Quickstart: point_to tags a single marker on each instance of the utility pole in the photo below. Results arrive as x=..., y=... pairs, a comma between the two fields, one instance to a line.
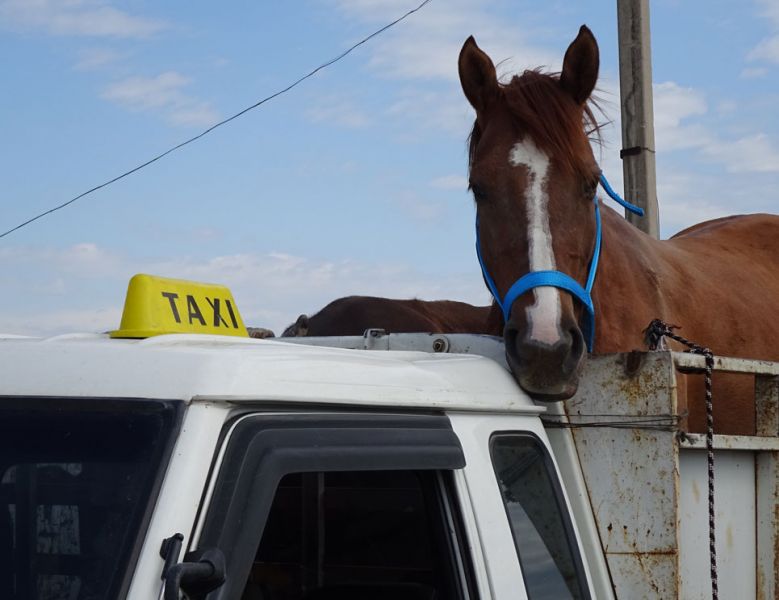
x=638, y=132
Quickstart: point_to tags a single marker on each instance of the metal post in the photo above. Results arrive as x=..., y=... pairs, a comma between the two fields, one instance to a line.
x=638, y=134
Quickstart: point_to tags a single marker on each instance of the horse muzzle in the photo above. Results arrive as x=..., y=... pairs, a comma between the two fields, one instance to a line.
x=548, y=372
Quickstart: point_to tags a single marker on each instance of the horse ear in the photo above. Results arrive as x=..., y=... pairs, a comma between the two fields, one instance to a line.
x=301, y=326
x=477, y=75
x=580, y=66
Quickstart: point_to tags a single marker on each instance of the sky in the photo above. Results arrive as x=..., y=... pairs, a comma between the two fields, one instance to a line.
x=352, y=183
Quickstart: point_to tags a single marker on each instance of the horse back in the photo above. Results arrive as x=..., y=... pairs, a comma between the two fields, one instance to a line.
x=352, y=315
x=744, y=234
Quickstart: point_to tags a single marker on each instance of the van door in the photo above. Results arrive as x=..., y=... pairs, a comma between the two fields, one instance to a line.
x=347, y=506
x=522, y=515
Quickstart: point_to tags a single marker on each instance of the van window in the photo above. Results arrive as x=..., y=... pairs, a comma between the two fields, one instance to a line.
x=76, y=479
x=542, y=532
x=355, y=535
x=347, y=505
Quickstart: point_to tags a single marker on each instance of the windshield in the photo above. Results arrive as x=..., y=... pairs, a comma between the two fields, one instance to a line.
x=76, y=478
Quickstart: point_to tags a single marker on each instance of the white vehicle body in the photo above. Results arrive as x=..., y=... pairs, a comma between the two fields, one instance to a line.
x=628, y=492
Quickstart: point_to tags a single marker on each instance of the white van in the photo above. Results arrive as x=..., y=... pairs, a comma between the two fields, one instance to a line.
x=204, y=466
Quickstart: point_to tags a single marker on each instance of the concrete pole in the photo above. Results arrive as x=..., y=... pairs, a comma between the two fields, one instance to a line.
x=638, y=133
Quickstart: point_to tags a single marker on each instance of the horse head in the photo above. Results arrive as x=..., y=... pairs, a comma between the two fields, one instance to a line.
x=534, y=176
x=298, y=329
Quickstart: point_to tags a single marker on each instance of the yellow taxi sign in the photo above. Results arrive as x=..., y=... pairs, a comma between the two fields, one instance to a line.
x=157, y=305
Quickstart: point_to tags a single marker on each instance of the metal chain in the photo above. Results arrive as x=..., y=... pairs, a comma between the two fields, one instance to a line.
x=654, y=334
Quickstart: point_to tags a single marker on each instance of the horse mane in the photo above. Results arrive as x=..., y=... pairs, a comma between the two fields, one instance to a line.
x=543, y=110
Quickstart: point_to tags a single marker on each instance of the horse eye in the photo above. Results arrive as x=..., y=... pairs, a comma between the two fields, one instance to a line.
x=589, y=188
x=478, y=192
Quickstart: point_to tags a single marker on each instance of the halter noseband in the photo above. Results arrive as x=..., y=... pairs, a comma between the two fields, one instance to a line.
x=535, y=279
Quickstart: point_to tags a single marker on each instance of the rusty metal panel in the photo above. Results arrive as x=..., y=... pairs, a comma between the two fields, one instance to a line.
x=731, y=442
x=767, y=496
x=686, y=361
x=639, y=576
x=767, y=406
x=734, y=503
x=626, y=412
x=648, y=486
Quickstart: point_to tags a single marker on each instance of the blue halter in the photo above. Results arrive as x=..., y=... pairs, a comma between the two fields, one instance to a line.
x=557, y=279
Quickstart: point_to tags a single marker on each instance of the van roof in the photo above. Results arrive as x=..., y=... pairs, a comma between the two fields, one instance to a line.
x=204, y=367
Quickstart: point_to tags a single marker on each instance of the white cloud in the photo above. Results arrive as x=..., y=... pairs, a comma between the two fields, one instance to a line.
x=192, y=113
x=443, y=111
x=770, y=10
x=144, y=93
x=753, y=72
x=74, y=260
x=86, y=257
x=450, y=182
x=674, y=104
x=54, y=322
x=426, y=46
x=681, y=214
x=91, y=59
x=751, y=154
x=767, y=50
x=162, y=94
x=686, y=199
x=76, y=17
x=271, y=289
x=420, y=208
x=676, y=108
x=376, y=9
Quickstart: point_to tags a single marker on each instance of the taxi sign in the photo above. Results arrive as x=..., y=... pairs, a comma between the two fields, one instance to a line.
x=157, y=305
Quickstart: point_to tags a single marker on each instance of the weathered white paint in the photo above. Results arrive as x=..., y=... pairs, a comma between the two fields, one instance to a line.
x=736, y=509
x=205, y=367
x=543, y=316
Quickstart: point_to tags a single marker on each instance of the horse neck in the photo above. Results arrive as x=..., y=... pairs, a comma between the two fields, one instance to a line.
x=625, y=242
x=627, y=292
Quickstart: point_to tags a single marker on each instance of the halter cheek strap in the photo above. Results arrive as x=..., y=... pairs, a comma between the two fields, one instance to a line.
x=535, y=279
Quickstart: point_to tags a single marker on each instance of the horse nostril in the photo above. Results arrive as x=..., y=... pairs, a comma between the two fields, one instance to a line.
x=510, y=340
x=577, y=346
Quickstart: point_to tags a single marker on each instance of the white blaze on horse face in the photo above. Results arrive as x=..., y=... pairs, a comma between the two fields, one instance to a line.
x=543, y=316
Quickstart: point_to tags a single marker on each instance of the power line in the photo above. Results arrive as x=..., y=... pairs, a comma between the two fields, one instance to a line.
x=224, y=122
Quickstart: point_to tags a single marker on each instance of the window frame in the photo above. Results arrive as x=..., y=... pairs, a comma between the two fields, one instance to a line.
x=560, y=502
x=262, y=448
x=453, y=511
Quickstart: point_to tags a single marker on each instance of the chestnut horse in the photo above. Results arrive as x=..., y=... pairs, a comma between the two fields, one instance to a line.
x=354, y=314
x=534, y=179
